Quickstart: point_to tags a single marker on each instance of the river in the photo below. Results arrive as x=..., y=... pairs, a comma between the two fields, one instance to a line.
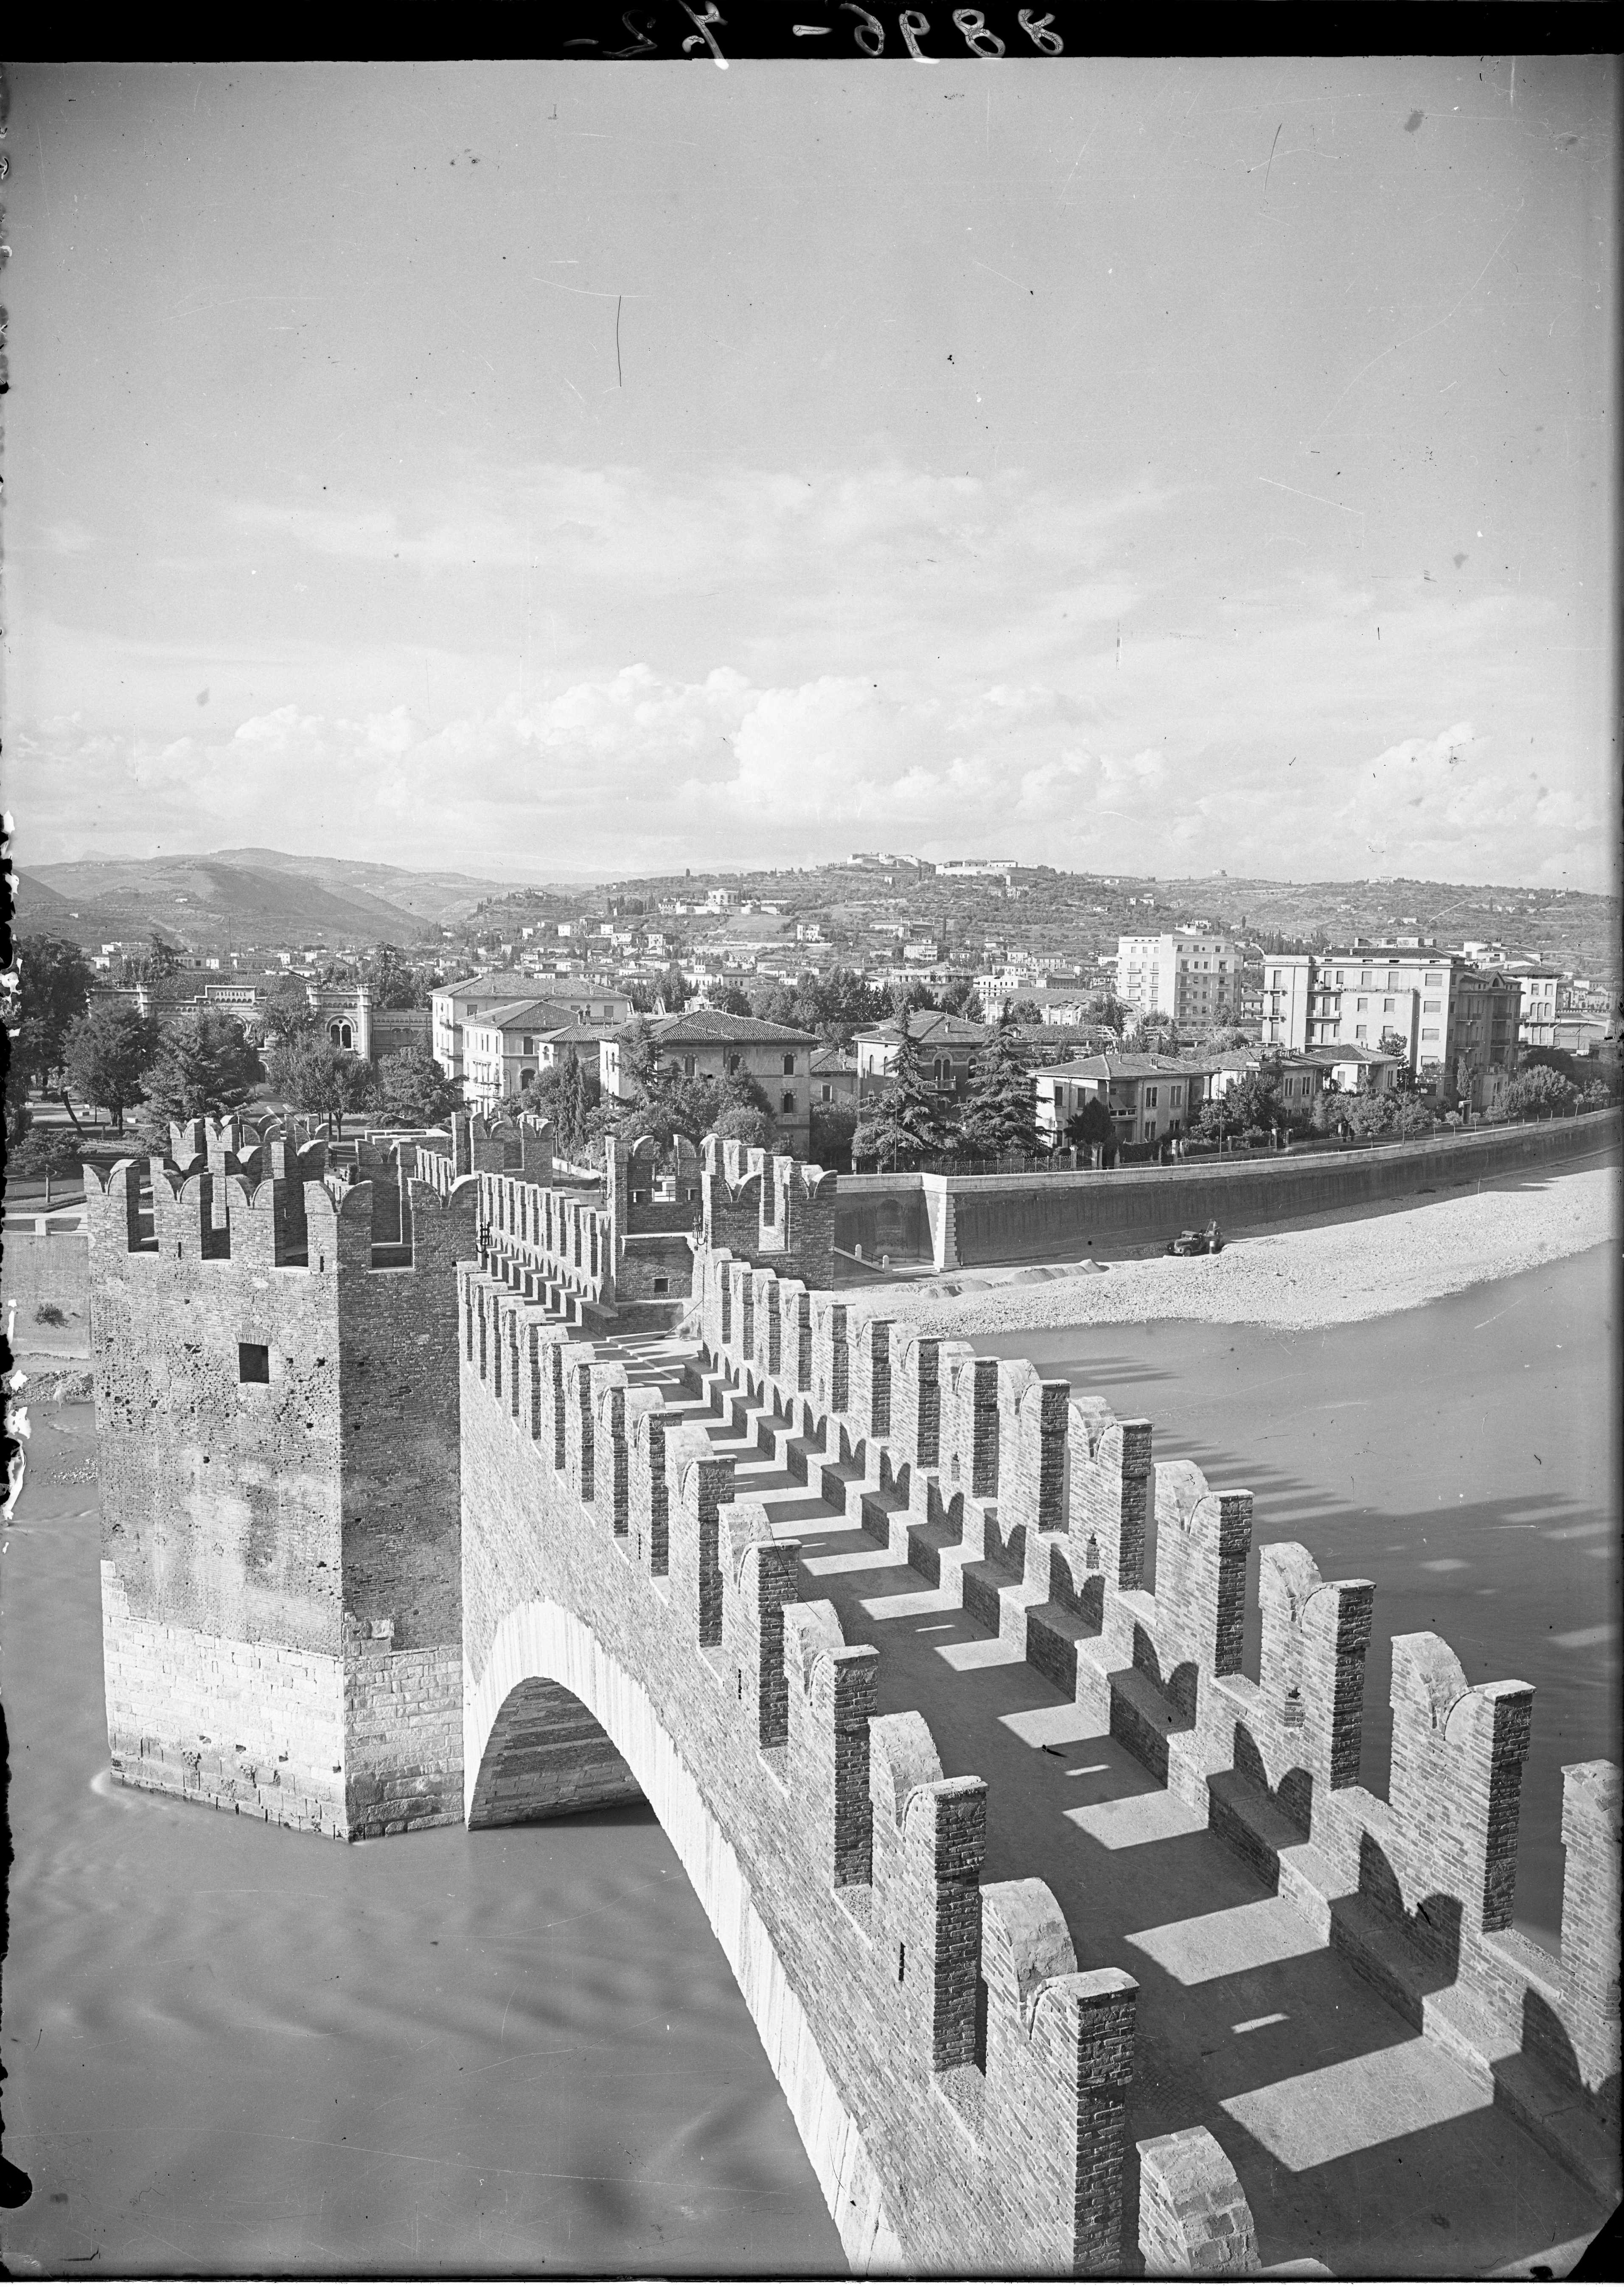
x=233, y=2050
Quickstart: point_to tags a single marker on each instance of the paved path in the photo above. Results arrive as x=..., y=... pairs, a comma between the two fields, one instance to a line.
x=1356, y=2140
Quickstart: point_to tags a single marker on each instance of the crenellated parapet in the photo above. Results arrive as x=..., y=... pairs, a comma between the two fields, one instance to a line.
x=984, y=2076
x=1047, y=1516
x=277, y=1208
x=550, y=1245
x=768, y=1207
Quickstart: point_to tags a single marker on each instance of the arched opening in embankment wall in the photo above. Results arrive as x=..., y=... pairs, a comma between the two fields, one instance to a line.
x=545, y=1665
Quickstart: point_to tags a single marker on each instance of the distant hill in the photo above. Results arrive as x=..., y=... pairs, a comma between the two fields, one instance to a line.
x=243, y=898
x=443, y=899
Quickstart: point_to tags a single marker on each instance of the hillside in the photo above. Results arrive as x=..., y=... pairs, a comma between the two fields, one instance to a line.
x=440, y=899
x=242, y=897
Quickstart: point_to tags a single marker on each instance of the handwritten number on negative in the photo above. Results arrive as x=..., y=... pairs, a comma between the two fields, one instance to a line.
x=641, y=27
x=1037, y=29
x=870, y=34
x=702, y=17
x=977, y=38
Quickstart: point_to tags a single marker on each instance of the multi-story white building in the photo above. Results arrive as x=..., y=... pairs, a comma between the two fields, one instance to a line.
x=1433, y=1010
x=452, y=1005
x=455, y=1006
x=1287, y=979
x=1148, y=1097
x=1540, y=988
x=1192, y=975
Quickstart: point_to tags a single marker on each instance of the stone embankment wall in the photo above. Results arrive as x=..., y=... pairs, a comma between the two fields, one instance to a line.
x=276, y=1414
x=958, y=1221
x=611, y=1577
x=1040, y=1510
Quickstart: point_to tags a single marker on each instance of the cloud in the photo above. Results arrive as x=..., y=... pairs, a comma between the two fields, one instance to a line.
x=640, y=771
x=946, y=662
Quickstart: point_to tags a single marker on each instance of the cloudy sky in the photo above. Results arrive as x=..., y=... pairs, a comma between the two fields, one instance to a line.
x=555, y=469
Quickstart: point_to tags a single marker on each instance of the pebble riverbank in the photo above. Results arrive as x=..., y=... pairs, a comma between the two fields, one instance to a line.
x=1325, y=1276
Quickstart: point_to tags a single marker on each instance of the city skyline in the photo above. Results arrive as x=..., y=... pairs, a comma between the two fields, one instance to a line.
x=1128, y=467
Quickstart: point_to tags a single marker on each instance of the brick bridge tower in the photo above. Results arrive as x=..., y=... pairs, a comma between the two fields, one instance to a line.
x=274, y=1353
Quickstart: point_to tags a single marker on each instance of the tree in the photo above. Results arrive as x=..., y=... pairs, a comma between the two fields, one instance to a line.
x=833, y=1126
x=1106, y=1009
x=567, y=1095
x=671, y=987
x=1000, y=1113
x=203, y=1065
x=963, y=1000
x=907, y=998
x=746, y=1122
x=414, y=1091
x=1092, y=1130
x=313, y=1076
x=47, y=1152
x=1539, y=1093
x=159, y=963
x=105, y=1053
x=54, y=981
x=835, y=1007
x=393, y=980
x=906, y=1121
x=730, y=1001
x=286, y=1015
x=639, y=1058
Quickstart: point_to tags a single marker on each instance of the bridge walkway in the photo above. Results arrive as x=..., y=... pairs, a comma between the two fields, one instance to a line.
x=1356, y=2140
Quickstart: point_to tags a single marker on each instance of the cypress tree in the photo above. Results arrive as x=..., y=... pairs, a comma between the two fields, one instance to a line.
x=906, y=1122
x=1001, y=1113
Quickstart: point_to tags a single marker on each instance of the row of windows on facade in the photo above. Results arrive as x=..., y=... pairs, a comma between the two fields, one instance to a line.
x=1365, y=976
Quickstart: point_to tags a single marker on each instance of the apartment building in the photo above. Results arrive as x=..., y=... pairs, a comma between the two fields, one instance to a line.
x=1149, y=1097
x=1451, y=1025
x=493, y=994
x=452, y=1005
x=1190, y=974
x=1540, y=988
x=501, y=1048
x=947, y=1045
x=709, y=1044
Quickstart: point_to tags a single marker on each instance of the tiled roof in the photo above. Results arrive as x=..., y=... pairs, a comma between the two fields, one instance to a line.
x=714, y=1027
x=932, y=1028
x=507, y=981
x=508, y=1015
x=576, y=1035
x=1107, y=1066
x=832, y=1060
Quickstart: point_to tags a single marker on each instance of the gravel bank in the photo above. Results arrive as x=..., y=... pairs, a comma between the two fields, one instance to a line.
x=1326, y=1276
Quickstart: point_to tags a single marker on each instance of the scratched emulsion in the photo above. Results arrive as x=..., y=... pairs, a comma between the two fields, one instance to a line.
x=237, y=2050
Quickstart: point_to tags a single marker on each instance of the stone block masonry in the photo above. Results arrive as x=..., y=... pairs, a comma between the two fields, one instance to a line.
x=1039, y=1512
x=276, y=1410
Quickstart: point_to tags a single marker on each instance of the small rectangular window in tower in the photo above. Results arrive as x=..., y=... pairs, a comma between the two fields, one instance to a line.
x=253, y=1362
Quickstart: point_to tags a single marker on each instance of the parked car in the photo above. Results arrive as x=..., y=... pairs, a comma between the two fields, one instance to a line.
x=1209, y=1241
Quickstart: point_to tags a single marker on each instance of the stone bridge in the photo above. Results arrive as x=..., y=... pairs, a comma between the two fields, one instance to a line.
x=1060, y=1932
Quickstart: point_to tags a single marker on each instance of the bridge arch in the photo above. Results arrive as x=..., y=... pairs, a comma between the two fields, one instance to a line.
x=543, y=1657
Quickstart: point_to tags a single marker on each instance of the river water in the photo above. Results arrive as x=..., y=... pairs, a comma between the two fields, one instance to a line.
x=236, y=2050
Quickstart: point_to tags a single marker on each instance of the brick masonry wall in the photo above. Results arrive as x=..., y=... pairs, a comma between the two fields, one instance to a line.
x=748, y=1723
x=312, y=1520
x=1274, y=1764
